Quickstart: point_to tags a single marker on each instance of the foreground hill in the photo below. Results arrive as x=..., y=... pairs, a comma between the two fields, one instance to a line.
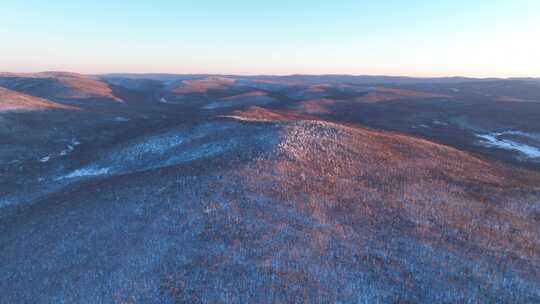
x=269, y=206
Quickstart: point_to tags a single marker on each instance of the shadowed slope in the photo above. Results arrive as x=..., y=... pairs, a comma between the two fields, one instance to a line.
x=246, y=99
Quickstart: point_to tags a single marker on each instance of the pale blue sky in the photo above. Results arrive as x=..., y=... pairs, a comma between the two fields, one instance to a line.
x=417, y=38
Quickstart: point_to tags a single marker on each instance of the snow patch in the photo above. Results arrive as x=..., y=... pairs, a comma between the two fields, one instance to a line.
x=491, y=140
x=70, y=148
x=160, y=150
x=121, y=119
x=85, y=172
x=66, y=151
x=520, y=133
x=241, y=118
x=440, y=123
x=206, y=150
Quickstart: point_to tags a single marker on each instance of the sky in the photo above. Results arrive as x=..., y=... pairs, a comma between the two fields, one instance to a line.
x=497, y=38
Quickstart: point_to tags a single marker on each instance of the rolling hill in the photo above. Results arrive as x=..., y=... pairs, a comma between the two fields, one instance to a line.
x=59, y=86
x=258, y=190
x=14, y=101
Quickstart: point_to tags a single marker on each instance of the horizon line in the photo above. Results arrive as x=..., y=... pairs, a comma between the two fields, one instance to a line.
x=273, y=75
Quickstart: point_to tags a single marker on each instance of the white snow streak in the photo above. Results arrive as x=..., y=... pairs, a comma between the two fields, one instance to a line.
x=85, y=172
x=491, y=140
